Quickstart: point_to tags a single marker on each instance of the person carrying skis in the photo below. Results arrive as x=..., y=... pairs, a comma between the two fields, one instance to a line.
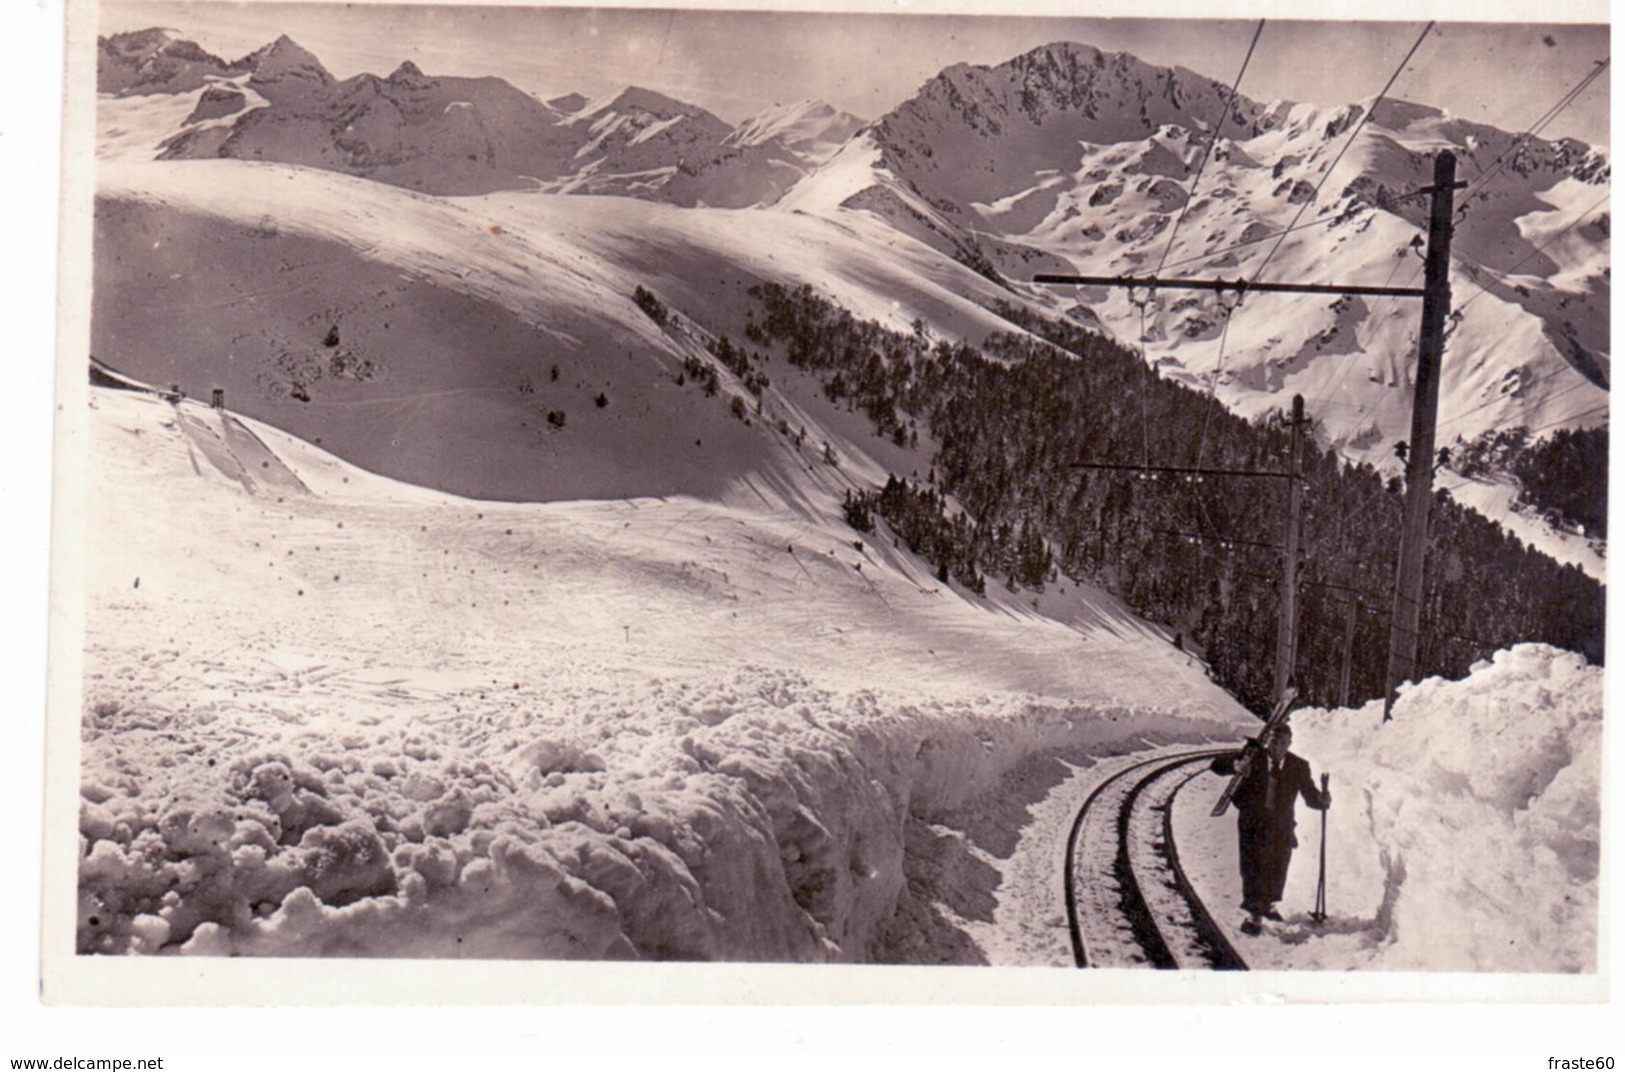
x=1266, y=801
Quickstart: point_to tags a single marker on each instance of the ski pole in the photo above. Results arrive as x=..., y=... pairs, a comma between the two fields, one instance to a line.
x=1319, y=914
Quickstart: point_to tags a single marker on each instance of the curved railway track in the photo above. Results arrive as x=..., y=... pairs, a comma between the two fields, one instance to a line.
x=1128, y=901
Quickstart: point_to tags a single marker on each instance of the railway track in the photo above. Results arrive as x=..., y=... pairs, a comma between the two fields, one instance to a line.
x=1128, y=901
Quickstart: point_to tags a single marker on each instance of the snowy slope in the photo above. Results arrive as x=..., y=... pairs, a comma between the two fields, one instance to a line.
x=636, y=143
x=195, y=289
x=1498, y=498
x=330, y=713
x=136, y=128
x=452, y=135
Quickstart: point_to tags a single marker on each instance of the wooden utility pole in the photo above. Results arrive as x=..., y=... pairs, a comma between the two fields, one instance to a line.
x=1286, y=629
x=1348, y=650
x=1403, y=636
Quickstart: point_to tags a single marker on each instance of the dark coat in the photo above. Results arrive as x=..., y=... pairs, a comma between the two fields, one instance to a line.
x=1266, y=805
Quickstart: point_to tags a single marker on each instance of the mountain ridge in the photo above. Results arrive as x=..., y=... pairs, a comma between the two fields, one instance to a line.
x=461, y=135
x=990, y=166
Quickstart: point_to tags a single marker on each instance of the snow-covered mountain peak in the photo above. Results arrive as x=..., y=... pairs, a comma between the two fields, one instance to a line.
x=1399, y=114
x=1065, y=158
x=634, y=99
x=981, y=133
x=449, y=134
x=568, y=104
x=1068, y=158
x=1119, y=95
x=151, y=40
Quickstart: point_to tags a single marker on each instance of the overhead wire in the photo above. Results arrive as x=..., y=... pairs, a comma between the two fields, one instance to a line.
x=1353, y=134
x=1296, y=228
x=1218, y=129
x=1218, y=371
x=1326, y=395
x=1145, y=392
x=1594, y=411
x=1554, y=373
x=1326, y=176
x=1489, y=176
x=1190, y=197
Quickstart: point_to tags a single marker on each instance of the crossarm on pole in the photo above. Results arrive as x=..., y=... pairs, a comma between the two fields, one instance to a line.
x=1239, y=286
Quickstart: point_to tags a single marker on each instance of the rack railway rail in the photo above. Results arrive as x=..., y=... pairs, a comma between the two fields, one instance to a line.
x=1128, y=901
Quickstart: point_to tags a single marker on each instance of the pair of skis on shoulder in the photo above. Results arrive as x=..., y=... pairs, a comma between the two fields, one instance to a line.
x=1254, y=749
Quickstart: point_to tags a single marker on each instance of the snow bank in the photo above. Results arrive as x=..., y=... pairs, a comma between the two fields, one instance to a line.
x=343, y=716
x=1465, y=832
x=761, y=818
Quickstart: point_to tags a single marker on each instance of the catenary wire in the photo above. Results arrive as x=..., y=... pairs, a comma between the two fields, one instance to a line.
x=1554, y=373
x=1331, y=390
x=1340, y=217
x=1488, y=176
x=1594, y=411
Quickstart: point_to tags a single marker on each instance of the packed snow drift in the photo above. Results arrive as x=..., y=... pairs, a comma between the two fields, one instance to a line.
x=326, y=713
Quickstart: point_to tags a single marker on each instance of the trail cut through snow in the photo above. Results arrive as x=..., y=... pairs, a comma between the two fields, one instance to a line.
x=329, y=714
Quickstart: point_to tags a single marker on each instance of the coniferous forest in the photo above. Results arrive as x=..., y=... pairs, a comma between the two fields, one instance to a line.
x=1004, y=502
x=1564, y=476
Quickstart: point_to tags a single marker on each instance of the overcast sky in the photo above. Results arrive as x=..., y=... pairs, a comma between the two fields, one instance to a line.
x=735, y=63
